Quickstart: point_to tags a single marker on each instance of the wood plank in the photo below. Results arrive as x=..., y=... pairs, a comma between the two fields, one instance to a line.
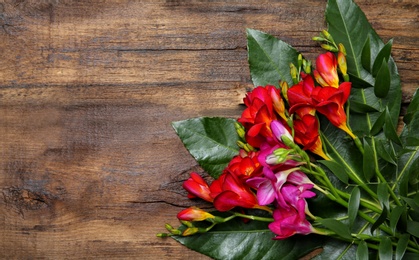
x=91, y=167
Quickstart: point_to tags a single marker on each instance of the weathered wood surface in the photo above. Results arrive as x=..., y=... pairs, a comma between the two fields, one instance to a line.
x=90, y=166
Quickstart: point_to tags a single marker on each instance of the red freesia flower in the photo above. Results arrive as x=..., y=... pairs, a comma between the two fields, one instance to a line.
x=229, y=192
x=330, y=101
x=307, y=134
x=194, y=214
x=261, y=104
x=197, y=187
x=326, y=70
x=299, y=96
x=245, y=165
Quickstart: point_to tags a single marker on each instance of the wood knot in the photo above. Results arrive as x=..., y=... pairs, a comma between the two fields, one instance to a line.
x=25, y=199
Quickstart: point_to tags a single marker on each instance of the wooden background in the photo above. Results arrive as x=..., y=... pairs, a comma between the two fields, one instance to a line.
x=89, y=164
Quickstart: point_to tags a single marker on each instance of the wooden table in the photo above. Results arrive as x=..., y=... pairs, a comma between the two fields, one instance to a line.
x=90, y=166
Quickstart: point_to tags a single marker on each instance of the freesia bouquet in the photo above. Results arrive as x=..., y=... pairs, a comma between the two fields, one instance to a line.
x=315, y=160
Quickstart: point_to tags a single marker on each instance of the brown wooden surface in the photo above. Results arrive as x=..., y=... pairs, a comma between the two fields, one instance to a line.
x=90, y=166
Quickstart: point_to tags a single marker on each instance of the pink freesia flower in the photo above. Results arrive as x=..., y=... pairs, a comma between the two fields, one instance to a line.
x=197, y=187
x=269, y=186
x=295, y=195
x=289, y=222
x=279, y=130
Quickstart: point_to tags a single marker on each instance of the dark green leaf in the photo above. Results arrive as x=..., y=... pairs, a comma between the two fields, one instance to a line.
x=395, y=214
x=401, y=246
x=362, y=251
x=382, y=56
x=238, y=240
x=269, y=59
x=382, y=81
x=359, y=107
x=385, y=152
x=353, y=205
x=410, y=133
x=366, y=55
x=413, y=108
x=336, y=169
x=336, y=226
x=379, y=123
x=390, y=130
x=382, y=194
x=413, y=228
x=359, y=82
x=380, y=220
x=412, y=203
x=211, y=141
x=368, y=161
x=385, y=249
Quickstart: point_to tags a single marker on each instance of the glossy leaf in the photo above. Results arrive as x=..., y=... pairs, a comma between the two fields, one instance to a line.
x=382, y=57
x=336, y=226
x=413, y=228
x=238, y=240
x=395, y=214
x=401, y=246
x=269, y=59
x=380, y=220
x=390, y=129
x=359, y=107
x=353, y=205
x=382, y=81
x=385, y=250
x=362, y=251
x=385, y=152
x=368, y=161
x=382, y=194
x=359, y=82
x=413, y=108
x=379, y=123
x=336, y=169
x=210, y=140
x=366, y=55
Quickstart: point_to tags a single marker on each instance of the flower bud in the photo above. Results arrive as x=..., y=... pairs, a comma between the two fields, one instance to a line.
x=190, y=231
x=278, y=156
x=294, y=73
x=329, y=47
x=327, y=35
x=300, y=60
x=284, y=89
x=279, y=130
x=240, y=130
x=194, y=214
x=307, y=66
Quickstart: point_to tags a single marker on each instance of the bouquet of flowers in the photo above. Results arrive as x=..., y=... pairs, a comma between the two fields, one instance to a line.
x=315, y=162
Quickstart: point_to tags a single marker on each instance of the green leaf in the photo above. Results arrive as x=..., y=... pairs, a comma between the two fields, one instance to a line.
x=380, y=220
x=385, y=152
x=401, y=246
x=238, y=240
x=382, y=82
x=410, y=133
x=390, y=129
x=413, y=108
x=379, y=123
x=382, y=57
x=395, y=214
x=413, y=228
x=382, y=194
x=336, y=226
x=368, y=161
x=359, y=82
x=269, y=59
x=336, y=169
x=359, y=107
x=385, y=250
x=353, y=205
x=210, y=140
x=366, y=55
x=362, y=251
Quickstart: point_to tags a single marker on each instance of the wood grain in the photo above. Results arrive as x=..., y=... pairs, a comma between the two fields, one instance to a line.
x=90, y=166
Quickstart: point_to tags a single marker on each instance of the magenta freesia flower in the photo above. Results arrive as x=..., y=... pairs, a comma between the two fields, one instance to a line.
x=289, y=222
